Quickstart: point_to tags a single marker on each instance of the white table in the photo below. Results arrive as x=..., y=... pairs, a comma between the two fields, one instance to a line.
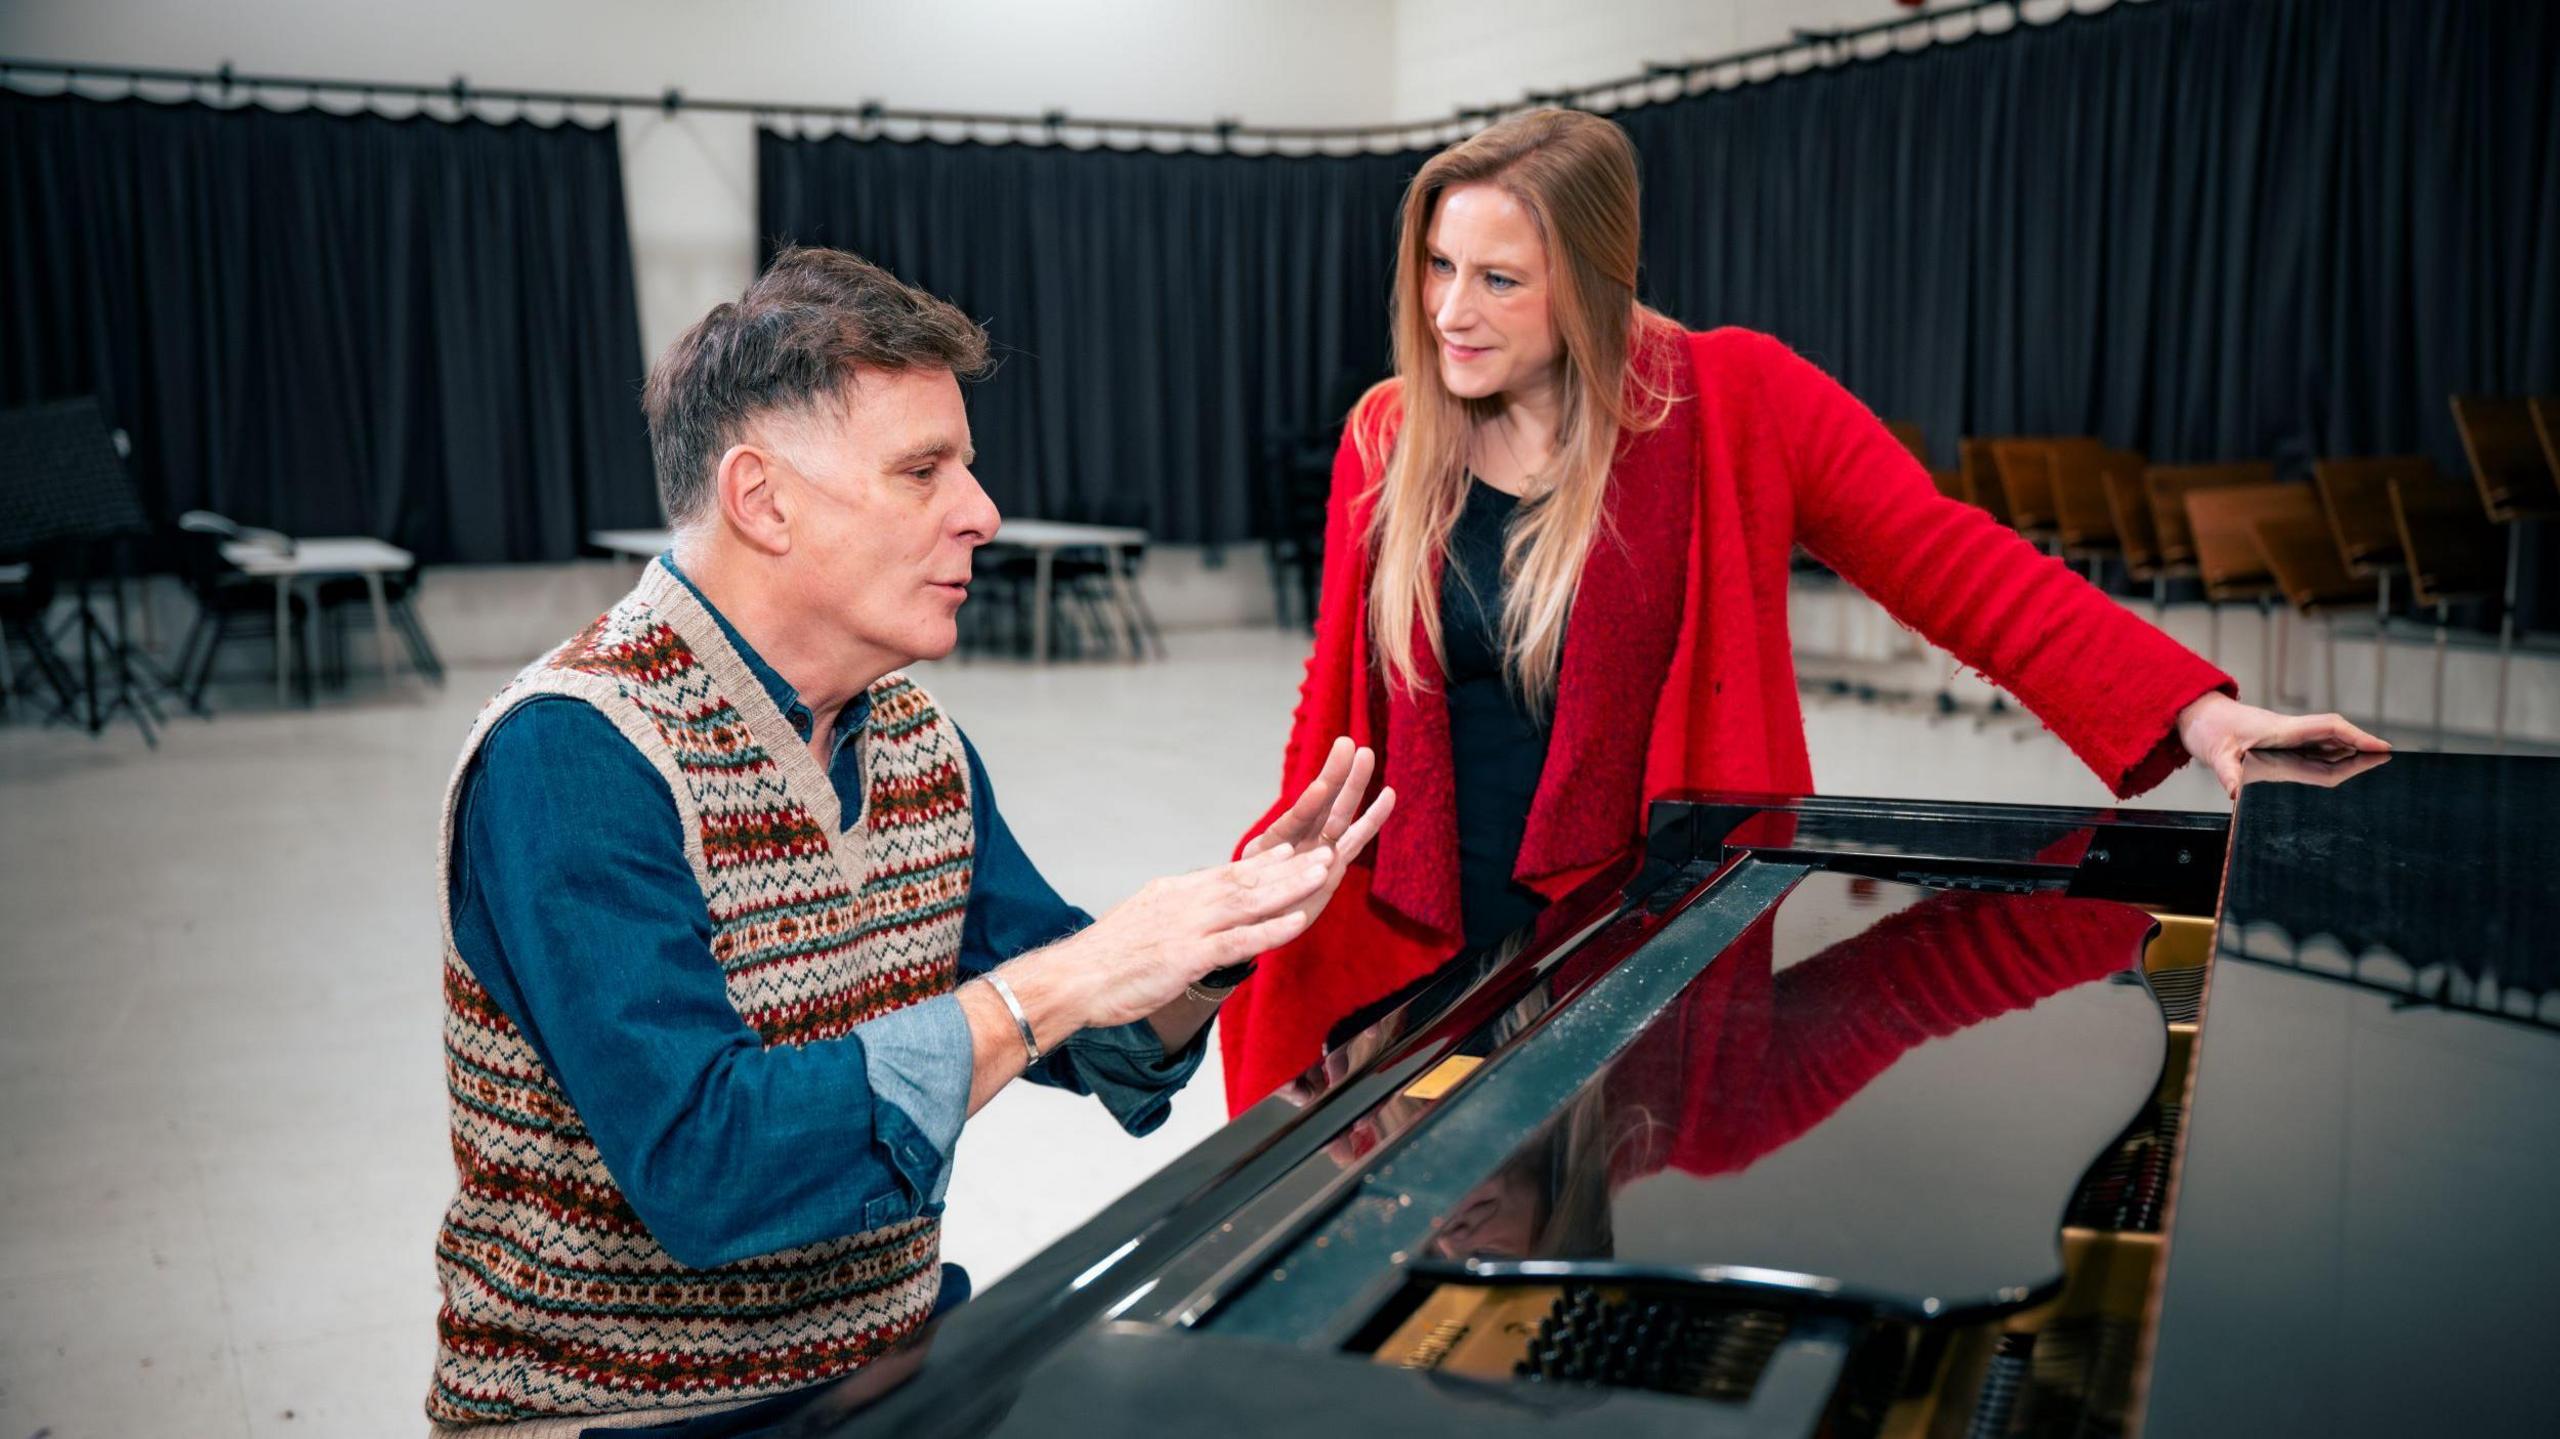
x=324, y=558
x=1043, y=538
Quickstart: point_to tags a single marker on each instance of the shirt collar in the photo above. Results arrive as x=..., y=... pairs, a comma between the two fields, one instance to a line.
x=856, y=714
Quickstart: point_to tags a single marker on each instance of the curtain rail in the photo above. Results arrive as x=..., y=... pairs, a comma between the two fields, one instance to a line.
x=1824, y=49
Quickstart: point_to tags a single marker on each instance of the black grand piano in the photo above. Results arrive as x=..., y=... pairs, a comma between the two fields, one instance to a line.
x=1878, y=1118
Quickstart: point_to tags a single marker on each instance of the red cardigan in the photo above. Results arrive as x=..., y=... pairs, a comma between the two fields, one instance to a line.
x=1678, y=671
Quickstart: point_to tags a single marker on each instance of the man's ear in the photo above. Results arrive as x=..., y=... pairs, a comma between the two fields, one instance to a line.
x=748, y=489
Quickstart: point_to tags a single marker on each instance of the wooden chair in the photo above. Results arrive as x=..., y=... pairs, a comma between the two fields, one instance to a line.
x=2137, y=533
x=2355, y=495
x=2024, y=469
x=2223, y=519
x=2450, y=550
x=1950, y=483
x=2084, y=522
x=2545, y=410
x=2167, y=487
x=1979, y=478
x=2517, y=483
x=2294, y=542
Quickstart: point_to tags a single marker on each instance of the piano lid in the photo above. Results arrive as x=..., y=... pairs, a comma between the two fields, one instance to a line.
x=1879, y=1095
x=2361, y=1240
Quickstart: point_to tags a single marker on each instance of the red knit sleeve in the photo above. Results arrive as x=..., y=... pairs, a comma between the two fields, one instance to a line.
x=2108, y=683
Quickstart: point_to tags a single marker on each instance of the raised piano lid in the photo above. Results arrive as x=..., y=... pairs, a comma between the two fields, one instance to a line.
x=2362, y=1240
x=1880, y=1096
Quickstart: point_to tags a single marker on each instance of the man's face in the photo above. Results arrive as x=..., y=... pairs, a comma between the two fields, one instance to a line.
x=885, y=514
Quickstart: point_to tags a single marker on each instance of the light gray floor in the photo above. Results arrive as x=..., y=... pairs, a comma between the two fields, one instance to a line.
x=220, y=1093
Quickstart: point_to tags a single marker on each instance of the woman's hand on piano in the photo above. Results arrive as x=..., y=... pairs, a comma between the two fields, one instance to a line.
x=2219, y=730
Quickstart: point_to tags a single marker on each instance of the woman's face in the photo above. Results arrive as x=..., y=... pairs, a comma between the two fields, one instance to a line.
x=1485, y=286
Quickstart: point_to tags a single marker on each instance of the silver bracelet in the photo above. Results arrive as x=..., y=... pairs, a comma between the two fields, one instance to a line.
x=1021, y=1021
x=1194, y=990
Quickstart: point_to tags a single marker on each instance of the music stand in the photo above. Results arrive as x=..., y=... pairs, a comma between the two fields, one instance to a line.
x=63, y=490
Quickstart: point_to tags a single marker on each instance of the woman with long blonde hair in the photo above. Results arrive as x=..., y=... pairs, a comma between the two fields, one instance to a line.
x=1556, y=579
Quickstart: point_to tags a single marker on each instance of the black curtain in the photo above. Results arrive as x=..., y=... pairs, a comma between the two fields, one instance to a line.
x=334, y=324
x=1163, y=320
x=2204, y=229
x=2199, y=228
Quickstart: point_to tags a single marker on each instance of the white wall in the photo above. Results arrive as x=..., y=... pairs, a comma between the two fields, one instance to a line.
x=691, y=178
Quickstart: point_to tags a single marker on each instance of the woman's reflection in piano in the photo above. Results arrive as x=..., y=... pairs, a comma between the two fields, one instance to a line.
x=1753, y=1056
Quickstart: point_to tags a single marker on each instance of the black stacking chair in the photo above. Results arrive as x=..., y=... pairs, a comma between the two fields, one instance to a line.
x=230, y=602
x=997, y=618
x=345, y=600
x=1084, y=576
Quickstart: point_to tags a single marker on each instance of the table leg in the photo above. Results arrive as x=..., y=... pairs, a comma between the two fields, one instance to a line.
x=381, y=620
x=1040, y=566
x=284, y=641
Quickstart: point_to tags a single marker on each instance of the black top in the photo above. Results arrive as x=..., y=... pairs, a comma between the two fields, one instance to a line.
x=1497, y=745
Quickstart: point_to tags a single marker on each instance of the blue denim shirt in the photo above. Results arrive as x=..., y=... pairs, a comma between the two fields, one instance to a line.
x=576, y=909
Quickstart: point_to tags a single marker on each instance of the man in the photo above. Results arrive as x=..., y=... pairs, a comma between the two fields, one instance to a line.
x=738, y=938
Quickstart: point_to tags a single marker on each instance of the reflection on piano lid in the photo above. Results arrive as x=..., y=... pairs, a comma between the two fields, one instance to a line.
x=1851, y=1101
x=1875, y=1119
x=2389, y=886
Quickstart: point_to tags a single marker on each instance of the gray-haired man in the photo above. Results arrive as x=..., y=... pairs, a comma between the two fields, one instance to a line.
x=738, y=938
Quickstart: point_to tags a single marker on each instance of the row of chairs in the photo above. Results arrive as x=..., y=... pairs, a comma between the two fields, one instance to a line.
x=2326, y=549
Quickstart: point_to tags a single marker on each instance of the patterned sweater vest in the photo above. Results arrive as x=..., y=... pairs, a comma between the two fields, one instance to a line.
x=556, y=1299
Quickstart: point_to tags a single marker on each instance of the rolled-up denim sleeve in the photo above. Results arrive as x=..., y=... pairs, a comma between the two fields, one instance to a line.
x=1013, y=910
x=576, y=909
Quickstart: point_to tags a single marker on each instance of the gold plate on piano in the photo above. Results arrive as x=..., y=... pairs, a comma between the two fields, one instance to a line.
x=1469, y=1329
x=1443, y=1077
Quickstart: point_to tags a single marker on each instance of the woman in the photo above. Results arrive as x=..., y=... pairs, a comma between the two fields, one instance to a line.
x=1556, y=577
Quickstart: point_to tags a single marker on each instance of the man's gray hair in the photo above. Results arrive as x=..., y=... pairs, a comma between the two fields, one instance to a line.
x=807, y=326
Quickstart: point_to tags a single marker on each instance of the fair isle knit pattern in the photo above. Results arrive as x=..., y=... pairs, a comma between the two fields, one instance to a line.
x=556, y=1299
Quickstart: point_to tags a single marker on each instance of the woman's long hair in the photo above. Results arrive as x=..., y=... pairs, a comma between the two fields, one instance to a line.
x=1575, y=173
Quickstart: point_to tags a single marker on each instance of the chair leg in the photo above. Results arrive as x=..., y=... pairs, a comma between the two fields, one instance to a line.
x=204, y=662
x=2441, y=618
x=1147, y=621
x=311, y=655
x=2271, y=638
x=2507, y=629
x=186, y=661
x=2381, y=646
x=2329, y=658
x=422, y=652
